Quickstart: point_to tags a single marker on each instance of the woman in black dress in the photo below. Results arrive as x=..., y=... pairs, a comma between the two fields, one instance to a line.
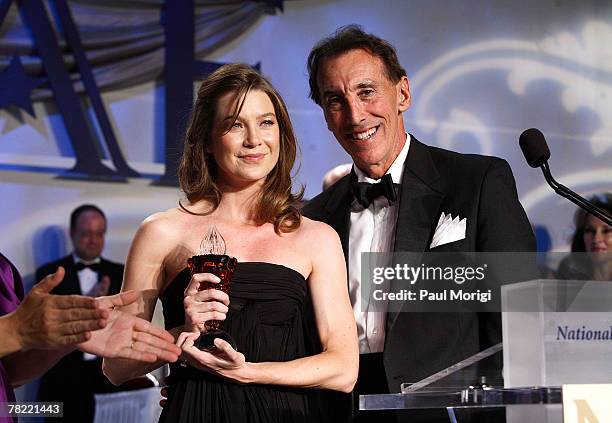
x=235, y=173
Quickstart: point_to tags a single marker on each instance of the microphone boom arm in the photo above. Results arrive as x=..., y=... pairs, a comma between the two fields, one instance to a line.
x=581, y=202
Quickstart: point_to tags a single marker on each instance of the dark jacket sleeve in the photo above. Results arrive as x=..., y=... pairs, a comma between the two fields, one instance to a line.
x=502, y=221
x=115, y=272
x=503, y=227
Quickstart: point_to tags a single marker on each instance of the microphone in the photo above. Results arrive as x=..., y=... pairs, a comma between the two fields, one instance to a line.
x=534, y=147
x=536, y=152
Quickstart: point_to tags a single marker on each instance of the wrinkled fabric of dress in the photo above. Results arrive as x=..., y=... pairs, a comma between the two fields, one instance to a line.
x=267, y=320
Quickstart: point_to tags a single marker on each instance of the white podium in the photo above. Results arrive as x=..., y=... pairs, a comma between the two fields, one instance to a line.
x=557, y=332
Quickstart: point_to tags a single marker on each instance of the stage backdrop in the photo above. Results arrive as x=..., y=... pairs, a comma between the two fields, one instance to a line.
x=480, y=73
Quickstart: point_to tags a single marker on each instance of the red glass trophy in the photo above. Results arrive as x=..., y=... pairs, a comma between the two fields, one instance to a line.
x=212, y=259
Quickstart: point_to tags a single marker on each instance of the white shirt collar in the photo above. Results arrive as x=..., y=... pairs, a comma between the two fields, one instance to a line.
x=76, y=259
x=396, y=170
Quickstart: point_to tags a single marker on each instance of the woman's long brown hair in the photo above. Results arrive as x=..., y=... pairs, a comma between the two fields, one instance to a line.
x=198, y=171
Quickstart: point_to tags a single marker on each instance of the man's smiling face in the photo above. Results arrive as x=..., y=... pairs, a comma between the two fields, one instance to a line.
x=363, y=109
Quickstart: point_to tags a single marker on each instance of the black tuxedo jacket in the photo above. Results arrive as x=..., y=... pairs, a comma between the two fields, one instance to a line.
x=73, y=380
x=70, y=285
x=478, y=188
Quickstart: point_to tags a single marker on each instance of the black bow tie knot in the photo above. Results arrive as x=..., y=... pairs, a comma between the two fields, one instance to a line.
x=93, y=266
x=366, y=192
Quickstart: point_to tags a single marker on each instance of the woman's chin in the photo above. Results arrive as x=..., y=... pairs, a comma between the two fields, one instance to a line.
x=601, y=257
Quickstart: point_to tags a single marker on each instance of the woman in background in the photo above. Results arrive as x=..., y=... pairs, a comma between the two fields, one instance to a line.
x=592, y=236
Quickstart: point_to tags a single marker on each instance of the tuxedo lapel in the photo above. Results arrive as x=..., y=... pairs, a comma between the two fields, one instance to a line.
x=419, y=201
x=421, y=196
x=71, y=279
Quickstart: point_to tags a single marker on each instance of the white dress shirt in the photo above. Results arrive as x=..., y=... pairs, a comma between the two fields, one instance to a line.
x=87, y=280
x=87, y=277
x=372, y=230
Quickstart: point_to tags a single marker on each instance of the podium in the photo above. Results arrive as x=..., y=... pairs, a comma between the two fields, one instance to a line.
x=524, y=405
x=554, y=332
x=557, y=332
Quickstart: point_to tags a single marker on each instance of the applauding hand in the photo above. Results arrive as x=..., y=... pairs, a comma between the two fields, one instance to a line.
x=46, y=321
x=128, y=336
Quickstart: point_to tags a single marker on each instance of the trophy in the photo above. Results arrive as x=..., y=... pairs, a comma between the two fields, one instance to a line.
x=212, y=259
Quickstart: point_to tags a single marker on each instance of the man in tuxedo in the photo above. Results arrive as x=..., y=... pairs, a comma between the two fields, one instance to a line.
x=363, y=90
x=77, y=376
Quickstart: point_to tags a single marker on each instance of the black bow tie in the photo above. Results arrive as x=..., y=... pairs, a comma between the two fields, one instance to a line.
x=366, y=192
x=93, y=266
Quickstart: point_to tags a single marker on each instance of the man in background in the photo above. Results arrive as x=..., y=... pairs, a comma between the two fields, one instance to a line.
x=77, y=376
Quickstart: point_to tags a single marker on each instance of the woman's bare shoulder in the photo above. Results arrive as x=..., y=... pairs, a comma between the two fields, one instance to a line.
x=165, y=237
x=162, y=224
x=173, y=213
x=313, y=231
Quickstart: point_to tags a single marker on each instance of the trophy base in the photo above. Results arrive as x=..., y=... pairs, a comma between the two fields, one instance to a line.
x=206, y=341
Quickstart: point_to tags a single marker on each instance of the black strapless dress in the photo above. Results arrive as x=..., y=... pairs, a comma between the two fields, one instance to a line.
x=266, y=318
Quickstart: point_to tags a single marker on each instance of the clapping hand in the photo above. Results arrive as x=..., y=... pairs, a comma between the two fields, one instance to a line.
x=128, y=336
x=101, y=288
x=94, y=325
x=46, y=321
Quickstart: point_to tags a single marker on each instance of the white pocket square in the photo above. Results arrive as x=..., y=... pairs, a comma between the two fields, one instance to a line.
x=448, y=230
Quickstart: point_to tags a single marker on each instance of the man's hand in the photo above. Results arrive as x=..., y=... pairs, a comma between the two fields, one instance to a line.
x=101, y=288
x=45, y=321
x=128, y=336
